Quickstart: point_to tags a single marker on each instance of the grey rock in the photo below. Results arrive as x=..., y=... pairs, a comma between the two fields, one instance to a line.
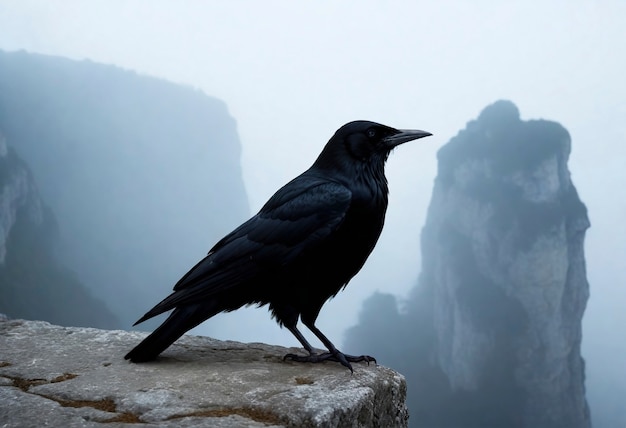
x=504, y=268
x=75, y=377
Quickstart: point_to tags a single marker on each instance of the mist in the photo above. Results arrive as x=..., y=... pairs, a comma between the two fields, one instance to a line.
x=290, y=75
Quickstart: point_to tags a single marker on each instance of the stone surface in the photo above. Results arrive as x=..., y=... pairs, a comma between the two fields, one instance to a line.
x=77, y=377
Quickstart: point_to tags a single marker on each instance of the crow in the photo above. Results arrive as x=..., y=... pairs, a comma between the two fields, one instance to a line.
x=304, y=245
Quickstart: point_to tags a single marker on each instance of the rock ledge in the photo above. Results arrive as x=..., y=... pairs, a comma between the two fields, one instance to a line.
x=77, y=377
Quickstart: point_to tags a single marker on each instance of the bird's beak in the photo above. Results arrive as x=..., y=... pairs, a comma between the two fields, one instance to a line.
x=403, y=136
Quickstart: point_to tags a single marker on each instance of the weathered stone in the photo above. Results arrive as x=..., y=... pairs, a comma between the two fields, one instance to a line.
x=74, y=377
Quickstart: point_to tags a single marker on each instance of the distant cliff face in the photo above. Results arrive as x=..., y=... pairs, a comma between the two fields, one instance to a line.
x=491, y=335
x=18, y=194
x=504, y=272
x=33, y=282
x=143, y=175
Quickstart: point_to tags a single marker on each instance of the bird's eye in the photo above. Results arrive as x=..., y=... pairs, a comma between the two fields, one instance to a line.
x=371, y=133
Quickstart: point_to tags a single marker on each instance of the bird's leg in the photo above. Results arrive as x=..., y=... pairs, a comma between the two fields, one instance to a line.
x=333, y=353
x=294, y=330
x=313, y=356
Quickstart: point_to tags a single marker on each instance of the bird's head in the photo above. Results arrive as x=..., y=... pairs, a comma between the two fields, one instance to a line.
x=364, y=142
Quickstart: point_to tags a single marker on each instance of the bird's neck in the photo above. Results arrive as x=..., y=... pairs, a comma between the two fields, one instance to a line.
x=366, y=178
x=371, y=178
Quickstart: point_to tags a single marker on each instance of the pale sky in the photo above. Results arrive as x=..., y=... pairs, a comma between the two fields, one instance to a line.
x=291, y=73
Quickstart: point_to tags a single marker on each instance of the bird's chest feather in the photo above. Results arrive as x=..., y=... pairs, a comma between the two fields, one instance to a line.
x=364, y=222
x=341, y=257
x=356, y=237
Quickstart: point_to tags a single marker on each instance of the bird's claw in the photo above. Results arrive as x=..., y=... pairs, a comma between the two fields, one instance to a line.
x=339, y=357
x=357, y=359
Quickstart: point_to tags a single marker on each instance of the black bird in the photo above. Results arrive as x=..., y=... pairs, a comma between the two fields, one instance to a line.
x=301, y=249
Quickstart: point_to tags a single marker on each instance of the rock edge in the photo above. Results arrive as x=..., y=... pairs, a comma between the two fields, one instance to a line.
x=77, y=377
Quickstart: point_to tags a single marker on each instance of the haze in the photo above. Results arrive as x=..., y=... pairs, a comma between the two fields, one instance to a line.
x=292, y=73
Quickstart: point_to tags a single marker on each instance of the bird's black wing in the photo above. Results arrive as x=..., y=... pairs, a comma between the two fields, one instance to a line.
x=300, y=216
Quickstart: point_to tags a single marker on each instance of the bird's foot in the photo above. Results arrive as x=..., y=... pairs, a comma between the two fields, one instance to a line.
x=337, y=356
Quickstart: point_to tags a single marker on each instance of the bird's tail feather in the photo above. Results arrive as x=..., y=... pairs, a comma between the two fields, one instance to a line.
x=178, y=323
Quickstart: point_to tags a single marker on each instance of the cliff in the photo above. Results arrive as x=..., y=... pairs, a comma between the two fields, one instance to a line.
x=33, y=282
x=491, y=335
x=70, y=377
x=18, y=193
x=142, y=174
x=504, y=269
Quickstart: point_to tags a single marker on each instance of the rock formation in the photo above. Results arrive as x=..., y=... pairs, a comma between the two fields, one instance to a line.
x=142, y=174
x=491, y=335
x=71, y=377
x=33, y=282
x=504, y=270
x=18, y=193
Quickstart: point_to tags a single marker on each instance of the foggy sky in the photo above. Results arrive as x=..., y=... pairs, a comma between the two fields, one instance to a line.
x=292, y=73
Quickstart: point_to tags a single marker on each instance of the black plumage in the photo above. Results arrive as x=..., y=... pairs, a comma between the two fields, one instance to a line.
x=305, y=244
